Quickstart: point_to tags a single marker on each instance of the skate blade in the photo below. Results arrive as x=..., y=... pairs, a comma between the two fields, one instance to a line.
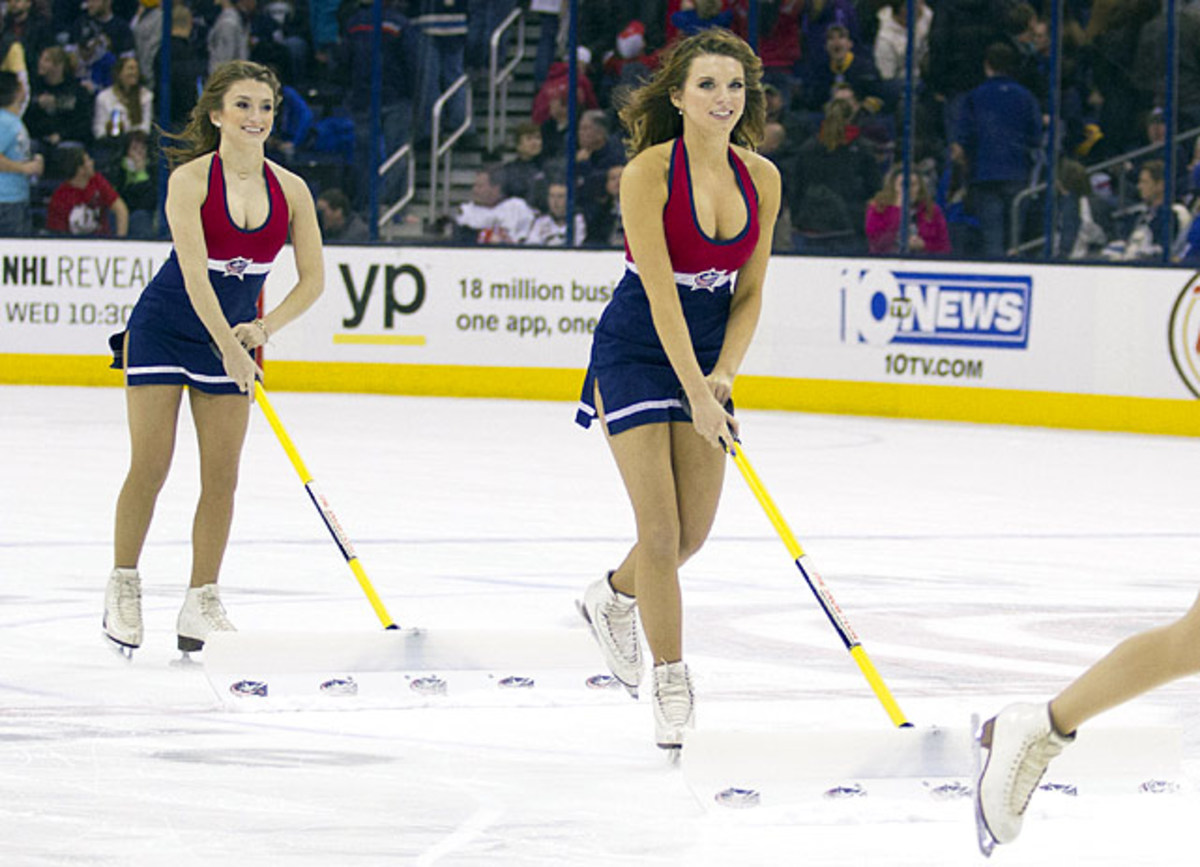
x=672, y=752
x=125, y=651
x=987, y=843
x=631, y=689
x=185, y=661
x=981, y=741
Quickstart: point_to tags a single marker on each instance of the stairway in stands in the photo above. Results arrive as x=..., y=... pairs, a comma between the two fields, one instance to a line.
x=470, y=153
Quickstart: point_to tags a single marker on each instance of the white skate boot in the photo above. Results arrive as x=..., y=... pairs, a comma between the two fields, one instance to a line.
x=673, y=704
x=201, y=614
x=613, y=619
x=123, y=611
x=1020, y=741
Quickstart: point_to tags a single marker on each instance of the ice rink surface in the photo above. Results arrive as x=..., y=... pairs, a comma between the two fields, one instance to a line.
x=978, y=564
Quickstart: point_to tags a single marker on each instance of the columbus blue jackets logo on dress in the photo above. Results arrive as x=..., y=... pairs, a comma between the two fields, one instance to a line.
x=710, y=279
x=236, y=267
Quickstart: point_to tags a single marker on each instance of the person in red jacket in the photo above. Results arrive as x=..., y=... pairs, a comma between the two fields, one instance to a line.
x=83, y=202
x=929, y=234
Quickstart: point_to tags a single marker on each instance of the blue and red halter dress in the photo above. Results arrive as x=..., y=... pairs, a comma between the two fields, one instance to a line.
x=168, y=344
x=637, y=383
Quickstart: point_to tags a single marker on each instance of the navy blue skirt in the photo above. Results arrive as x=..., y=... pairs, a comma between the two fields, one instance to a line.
x=636, y=381
x=169, y=345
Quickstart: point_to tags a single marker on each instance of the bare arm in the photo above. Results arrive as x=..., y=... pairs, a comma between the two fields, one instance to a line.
x=186, y=191
x=747, y=299
x=643, y=197
x=310, y=263
x=121, y=213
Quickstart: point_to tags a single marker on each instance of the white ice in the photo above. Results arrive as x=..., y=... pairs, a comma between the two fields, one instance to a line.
x=978, y=564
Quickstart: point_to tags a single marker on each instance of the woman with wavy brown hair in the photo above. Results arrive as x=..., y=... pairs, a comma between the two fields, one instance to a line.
x=195, y=324
x=699, y=208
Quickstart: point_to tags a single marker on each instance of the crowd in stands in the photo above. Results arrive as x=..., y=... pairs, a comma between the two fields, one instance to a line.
x=85, y=100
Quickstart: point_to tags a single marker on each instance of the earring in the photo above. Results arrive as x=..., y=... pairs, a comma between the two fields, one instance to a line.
x=217, y=124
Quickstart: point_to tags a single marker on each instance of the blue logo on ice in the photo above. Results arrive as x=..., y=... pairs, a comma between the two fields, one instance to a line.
x=881, y=307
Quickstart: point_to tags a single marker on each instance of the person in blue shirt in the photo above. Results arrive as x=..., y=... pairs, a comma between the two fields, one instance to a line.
x=998, y=129
x=16, y=164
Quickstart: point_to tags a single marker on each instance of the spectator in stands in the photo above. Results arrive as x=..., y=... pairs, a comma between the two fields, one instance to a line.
x=779, y=43
x=891, y=42
x=959, y=35
x=490, y=217
x=819, y=16
x=554, y=127
x=1157, y=227
x=339, y=223
x=124, y=106
x=601, y=208
x=293, y=125
x=548, y=14
x=524, y=172
x=483, y=18
x=844, y=66
x=61, y=108
x=1151, y=56
x=599, y=149
x=17, y=166
x=696, y=15
x=278, y=39
x=29, y=25
x=555, y=88
x=398, y=38
x=628, y=67
x=229, y=36
x=187, y=69
x=86, y=203
x=835, y=175
x=928, y=233
x=443, y=23
x=135, y=180
x=550, y=228
x=1084, y=218
x=600, y=22
x=100, y=39
x=147, y=28
x=998, y=128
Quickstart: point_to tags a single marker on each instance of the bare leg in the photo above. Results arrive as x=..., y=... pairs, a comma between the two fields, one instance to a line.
x=1136, y=665
x=153, y=412
x=674, y=480
x=221, y=422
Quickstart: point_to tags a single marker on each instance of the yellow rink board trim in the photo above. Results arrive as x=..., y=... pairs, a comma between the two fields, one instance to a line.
x=380, y=339
x=944, y=403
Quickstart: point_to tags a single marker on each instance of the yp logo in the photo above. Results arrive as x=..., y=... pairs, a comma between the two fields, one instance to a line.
x=896, y=307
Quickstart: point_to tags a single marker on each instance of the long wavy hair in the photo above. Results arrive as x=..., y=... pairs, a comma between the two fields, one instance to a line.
x=130, y=97
x=200, y=136
x=651, y=118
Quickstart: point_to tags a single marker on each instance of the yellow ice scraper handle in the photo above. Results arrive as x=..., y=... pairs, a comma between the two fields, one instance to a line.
x=331, y=521
x=815, y=584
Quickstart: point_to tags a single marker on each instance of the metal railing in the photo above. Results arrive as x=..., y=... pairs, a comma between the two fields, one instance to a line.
x=499, y=78
x=405, y=150
x=1121, y=180
x=442, y=150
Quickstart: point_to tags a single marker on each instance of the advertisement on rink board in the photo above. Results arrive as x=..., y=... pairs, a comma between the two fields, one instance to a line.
x=1130, y=332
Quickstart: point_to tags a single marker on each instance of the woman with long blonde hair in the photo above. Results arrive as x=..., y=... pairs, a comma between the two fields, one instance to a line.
x=699, y=208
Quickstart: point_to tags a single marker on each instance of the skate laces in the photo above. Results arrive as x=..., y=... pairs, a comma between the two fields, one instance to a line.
x=620, y=622
x=129, y=597
x=213, y=611
x=673, y=692
x=1036, y=754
